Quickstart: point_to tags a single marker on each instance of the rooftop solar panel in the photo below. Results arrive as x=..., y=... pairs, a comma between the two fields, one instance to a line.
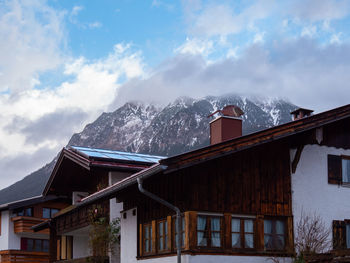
x=117, y=155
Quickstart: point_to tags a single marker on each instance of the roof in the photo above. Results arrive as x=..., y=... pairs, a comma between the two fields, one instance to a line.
x=227, y=147
x=110, y=155
x=301, y=109
x=101, y=158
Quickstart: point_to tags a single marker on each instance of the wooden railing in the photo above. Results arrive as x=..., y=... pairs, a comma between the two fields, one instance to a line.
x=23, y=224
x=12, y=256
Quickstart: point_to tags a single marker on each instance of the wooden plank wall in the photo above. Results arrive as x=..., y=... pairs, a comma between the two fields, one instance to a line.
x=253, y=182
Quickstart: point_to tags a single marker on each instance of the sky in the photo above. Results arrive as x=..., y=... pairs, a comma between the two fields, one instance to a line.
x=63, y=62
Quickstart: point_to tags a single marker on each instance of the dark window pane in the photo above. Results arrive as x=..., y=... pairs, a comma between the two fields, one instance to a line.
x=28, y=212
x=38, y=245
x=20, y=213
x=30, y=245
x=46, y=212
x=54, y=211
x=46, y=246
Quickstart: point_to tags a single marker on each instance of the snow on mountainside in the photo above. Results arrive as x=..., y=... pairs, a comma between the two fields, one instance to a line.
x=140, y=127
x=180, y=126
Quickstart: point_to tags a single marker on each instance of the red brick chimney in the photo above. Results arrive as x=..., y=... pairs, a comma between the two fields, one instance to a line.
x=227, y=126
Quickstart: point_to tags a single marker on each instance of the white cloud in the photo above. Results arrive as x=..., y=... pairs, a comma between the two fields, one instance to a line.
x=335, y=38
x=32, y=42
x=222, y=19
x=259, y=37
x=76, y=10
x=196, y=46
x=28, y=45
x=95, y=25
x=309, y=31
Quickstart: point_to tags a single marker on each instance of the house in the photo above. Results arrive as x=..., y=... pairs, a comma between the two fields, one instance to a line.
x=239, y=199
x=18, y=242
x=80, y=172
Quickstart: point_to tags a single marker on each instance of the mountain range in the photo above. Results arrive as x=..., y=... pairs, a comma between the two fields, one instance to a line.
x=168, y=130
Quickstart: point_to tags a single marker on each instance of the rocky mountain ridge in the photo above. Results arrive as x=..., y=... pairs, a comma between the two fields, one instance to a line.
x=180, y=126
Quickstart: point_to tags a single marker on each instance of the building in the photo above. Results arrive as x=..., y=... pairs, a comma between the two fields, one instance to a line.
x=18, y=242
x=81, y=172
x=240, y=198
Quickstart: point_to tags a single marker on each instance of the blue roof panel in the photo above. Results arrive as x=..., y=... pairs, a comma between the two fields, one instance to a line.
x=118, y=155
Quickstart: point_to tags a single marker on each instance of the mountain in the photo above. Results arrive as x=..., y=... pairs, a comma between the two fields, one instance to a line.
x=180, y=126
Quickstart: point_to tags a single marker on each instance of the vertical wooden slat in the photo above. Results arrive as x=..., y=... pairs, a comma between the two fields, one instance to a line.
x=260, y=233
x=227, y=231
x=290, y=235
x=169, y=225
x=192, y=229
x=187, y=230
x=154, y=236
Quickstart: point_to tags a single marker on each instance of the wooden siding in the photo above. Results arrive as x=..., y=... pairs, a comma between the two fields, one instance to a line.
x=253, y=182
x=80, y=217
x=13, y=256
x=23, y=224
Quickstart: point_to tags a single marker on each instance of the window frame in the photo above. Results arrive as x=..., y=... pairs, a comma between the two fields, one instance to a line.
x=344, y=158
x=51, y=212
x=164, y=236
x=24, y=244
x=174, y=232
x=209, y=232
x=24, y=211
x=242, y=233
x=274, y=230
x=150, y=230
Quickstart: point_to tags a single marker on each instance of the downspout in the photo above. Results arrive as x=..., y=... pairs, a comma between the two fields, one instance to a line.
x=167, y=204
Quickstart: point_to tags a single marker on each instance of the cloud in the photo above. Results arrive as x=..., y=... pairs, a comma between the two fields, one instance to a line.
x=95, y=24
x=316, y=10
x=22, y=164
x=298, y=70
x=196, y=46
x=49, y=126
x=76, y=10
x=222, y=19
x=31, y=41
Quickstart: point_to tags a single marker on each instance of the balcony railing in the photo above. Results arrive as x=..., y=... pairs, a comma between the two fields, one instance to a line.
x=23, y=224
x=12, y=256
x=84, y=260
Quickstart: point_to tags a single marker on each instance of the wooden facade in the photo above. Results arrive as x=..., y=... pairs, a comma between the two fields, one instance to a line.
x=16, y=256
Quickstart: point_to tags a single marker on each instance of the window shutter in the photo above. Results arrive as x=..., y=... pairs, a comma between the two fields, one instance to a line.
x=334, y=169
x=339, y=234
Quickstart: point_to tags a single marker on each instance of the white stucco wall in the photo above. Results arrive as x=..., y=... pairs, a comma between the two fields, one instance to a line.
x=81, y=247
x=14, y=240
x=128, y=237
x=311, y=192
x=215, y=259
x=4, y=239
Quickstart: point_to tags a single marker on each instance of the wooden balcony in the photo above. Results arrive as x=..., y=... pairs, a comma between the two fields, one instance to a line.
x=23, y=224
x=12, y=256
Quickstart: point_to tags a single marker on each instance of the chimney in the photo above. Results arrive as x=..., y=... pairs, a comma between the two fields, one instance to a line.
x=301, y=113
x=227, y=126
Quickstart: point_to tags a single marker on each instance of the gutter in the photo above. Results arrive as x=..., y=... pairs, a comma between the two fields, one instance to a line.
x=167, y=204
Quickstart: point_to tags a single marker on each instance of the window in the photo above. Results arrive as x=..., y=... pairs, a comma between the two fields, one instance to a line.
x=338, y=169
x=347, y=235
x=274, y=234
x=25, y=212
x=147, y=233
x=49, y=212
x=182, y=232
x=162, y=238
x=242, y=233
x=66, y=247
x=341, y=234
x=34, y=245
x=345, y=170
x=208, y=231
